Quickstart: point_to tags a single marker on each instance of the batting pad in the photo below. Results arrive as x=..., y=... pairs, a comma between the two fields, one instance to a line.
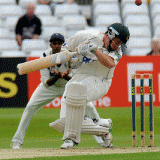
x=88, y=127
x=75, y=109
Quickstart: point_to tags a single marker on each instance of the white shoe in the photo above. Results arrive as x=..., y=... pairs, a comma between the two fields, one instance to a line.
x=68, y=144
x=108, y=138
x=111, y=146
x=101, y=143
x=16, y=145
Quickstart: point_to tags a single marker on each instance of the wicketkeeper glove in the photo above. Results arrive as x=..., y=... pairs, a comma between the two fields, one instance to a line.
x=85, y=49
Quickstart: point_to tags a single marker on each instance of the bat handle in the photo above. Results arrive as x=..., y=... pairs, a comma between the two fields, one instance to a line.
x=73, y=54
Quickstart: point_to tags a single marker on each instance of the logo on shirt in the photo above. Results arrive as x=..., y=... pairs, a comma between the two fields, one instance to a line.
x=86, y=59
x=64, y=44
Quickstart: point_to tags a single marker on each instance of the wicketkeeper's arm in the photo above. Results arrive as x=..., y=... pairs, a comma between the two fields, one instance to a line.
x=53, y=80
x=67, y=77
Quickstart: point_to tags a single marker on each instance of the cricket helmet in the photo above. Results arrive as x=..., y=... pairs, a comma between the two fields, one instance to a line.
x=120, y=31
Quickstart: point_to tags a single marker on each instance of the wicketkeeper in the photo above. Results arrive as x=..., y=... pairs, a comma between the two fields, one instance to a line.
x=52, y=85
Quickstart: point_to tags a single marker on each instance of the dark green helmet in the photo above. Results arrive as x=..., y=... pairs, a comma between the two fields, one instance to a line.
x=120, y=31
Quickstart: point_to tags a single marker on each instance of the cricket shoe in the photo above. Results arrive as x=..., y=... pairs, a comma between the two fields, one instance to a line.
x=101, y=142
x=68, y=144
x=104, y=145
x=16, y=145
x=108, y=138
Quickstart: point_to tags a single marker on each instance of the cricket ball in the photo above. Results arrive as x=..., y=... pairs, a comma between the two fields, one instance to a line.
x=138, y=2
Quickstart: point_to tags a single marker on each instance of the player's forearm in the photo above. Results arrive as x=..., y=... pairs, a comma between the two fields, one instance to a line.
x=105, y=59
x=19, y=39
x=51, y=81
x=67, y=77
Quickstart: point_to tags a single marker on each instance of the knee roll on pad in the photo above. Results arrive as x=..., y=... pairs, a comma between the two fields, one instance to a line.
x=76, y=95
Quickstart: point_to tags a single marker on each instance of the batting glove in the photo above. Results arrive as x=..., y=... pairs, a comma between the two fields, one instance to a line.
x=85, y=49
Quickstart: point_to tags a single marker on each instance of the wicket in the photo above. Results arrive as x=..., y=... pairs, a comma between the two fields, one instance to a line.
x=151, y=124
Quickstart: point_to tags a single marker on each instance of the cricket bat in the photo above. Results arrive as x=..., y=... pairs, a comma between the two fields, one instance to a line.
x=45, y=62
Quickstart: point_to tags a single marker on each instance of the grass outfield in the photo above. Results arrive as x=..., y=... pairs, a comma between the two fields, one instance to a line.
x=40, y=135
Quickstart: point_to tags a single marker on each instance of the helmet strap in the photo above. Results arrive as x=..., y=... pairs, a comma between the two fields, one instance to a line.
x=109, y=46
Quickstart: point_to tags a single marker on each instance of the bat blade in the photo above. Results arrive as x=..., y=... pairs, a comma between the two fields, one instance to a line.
x=45, y=62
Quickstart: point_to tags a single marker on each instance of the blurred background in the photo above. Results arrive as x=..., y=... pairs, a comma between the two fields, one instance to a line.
x=70, y=16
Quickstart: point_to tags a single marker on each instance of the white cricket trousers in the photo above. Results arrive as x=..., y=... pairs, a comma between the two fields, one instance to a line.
x=38, y=100
x=97, y=87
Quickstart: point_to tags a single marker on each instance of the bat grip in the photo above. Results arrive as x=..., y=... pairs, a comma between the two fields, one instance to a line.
x=73, y=54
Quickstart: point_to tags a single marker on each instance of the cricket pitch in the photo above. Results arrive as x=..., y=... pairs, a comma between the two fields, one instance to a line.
x=33, y=153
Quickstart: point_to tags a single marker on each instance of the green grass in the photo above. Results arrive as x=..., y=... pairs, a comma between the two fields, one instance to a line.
x=40, y=135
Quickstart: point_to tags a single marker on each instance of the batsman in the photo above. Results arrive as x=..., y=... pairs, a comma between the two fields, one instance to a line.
x=99, y=54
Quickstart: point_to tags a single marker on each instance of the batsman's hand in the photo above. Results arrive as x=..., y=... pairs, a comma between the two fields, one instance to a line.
x=85, y=49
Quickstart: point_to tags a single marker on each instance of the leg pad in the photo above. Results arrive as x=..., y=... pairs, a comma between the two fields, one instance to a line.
x=88, y=127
